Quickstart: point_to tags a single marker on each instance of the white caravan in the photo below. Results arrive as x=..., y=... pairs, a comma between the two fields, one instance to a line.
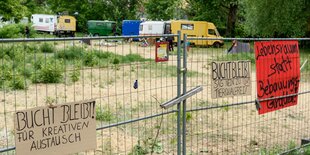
x=43, y=22
x=154, y=28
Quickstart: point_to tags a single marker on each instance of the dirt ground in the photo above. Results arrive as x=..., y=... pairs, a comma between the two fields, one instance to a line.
x=231, y=130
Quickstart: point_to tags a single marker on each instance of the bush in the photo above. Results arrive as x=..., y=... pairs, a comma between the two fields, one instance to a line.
x=90, y=60
x=51, y=72
x=6, y=70
x=75, y=74
x=47, y=48
x=15, y=31
x=18, y=83
x=72, y=53
x=105, y=116
x=31, y=47
x=132, y=58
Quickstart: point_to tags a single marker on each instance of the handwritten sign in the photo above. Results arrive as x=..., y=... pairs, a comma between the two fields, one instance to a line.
x=63, y=129
x=230, y=78
x=161, y=51
x=277, y=72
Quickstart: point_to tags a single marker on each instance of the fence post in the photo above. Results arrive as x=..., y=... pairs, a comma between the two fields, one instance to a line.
x=184, y=91
x=179, y=94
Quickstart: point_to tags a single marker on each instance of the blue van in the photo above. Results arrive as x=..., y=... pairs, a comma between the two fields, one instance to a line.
x=131, y=27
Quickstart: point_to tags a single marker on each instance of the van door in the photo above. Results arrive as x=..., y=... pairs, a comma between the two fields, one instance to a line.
x=211, y=34
x=52, y=25
x=167, y=28
x=113, y=26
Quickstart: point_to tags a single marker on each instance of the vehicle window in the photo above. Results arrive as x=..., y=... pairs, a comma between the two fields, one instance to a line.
x=187, y=26
x=46, y=20
x=150, y=27
x=99, y=24
x=51, y=19
x=167, y=28
x=211, y=31
x=41, y=20
x=67, y=20
x=113, y=28
x=141, y=28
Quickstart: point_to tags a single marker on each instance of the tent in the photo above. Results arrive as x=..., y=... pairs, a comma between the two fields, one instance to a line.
x=238, y=47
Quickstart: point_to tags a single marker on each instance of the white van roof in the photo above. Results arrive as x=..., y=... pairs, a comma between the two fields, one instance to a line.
x=153, y=22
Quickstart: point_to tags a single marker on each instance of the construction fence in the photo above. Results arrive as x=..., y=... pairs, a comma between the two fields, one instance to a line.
x=170, y=106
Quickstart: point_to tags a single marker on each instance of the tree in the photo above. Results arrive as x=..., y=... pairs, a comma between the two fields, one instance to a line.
x=12, y=9
x=160, y=9
x=116, y=10
x=277, y=18
x=224, y=13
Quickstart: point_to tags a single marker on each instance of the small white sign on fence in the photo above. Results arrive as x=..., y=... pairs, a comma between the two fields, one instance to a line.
x=230, y=78
x=61, y=129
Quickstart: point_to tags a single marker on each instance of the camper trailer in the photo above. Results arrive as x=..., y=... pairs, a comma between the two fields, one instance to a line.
x=44, y=23
x=59, y=25
x=130, y=27
x=154, y=28
x=197, y=29
x=102, y=28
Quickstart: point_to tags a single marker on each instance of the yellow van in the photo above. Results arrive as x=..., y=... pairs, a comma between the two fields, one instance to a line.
x=66, y=25
x=197, y=29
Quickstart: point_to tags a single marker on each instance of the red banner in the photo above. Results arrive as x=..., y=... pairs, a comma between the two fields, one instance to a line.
x=277, y=73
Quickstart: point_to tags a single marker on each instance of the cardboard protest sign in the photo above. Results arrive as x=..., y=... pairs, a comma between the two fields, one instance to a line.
x=62, y=129
x=277, y=73
x=161, y=51
x=230, y=78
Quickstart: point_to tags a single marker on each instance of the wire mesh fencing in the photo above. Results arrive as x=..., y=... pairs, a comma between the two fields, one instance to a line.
x=122, y=76
x=129, y=87
x=232, y=125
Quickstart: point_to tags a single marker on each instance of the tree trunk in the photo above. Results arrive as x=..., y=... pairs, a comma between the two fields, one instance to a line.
x=231, y=20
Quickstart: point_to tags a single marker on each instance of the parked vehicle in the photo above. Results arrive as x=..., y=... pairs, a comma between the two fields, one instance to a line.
x=154, y=27
x=131, y=27
x=44, y=23
x=58, y=25
x=66, y=25
x=197, y=29
x=102, y=28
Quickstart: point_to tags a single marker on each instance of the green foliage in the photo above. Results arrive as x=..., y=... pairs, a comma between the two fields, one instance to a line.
x=115, y=10
x=238, y=56
x=225, y=14
x=71, y=53
x=75, y=74
x=18, y=83
x=132, y=58
x=138, y=150
x=47, y=48
x=160, y=9
x=50, y=72
x=147, y=146
x=105, y=116
x=31, y=47
x=115, y=61
x=90, y=60
x=15, y=31
x=278, y=19
x=12, y=9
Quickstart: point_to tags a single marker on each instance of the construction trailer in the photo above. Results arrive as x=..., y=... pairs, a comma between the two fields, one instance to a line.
x=59, y=25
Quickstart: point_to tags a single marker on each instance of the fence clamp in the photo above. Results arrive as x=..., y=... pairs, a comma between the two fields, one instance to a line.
x=183, y=97
x=257, y=104
x=183, y=70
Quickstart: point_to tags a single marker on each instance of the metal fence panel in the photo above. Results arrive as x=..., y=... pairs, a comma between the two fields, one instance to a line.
x=129, y=88
x=232, y=125
x=121, y=76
